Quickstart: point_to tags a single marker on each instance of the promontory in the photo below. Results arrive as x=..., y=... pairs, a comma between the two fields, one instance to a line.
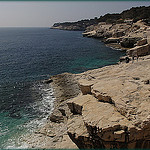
x=107, y=107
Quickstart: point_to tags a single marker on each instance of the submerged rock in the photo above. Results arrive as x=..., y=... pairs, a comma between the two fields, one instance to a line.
x=16, y=115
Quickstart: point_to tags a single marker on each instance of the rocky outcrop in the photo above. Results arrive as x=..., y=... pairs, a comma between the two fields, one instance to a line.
x=121, y=35
x=75, y=26
x=134, y=38
x=127, y=16
x=54, y=133
x=129, y=42
x=116, y=30
x=113, y=110
x=116, y=114
x=103, y=126
x=69, y=27
x=98, y=31
x=65, y=86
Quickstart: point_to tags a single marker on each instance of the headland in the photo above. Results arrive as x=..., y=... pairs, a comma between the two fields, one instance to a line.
x=107, y=107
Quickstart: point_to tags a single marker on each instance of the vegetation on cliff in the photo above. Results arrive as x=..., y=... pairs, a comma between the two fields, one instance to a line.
x=79, y=25
x=135, y=13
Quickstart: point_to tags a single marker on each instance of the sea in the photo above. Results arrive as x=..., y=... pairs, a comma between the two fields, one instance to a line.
x=27, y=57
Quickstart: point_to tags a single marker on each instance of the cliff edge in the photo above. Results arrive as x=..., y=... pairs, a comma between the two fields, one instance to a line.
x=107, y=107
x=113, y=108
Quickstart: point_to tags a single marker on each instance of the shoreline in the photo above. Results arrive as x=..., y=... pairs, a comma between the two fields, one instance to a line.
x=50, y=134
x=107, y=107
x=55, y=134
x=59, y=82
x=65, y=88
x=72, y=92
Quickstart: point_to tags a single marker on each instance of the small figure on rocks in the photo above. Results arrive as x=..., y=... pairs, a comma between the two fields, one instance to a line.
x=124, y=59
x=135, y=55
x=127, y=59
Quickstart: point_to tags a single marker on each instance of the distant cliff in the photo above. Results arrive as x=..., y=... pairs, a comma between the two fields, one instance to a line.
x=75, y=26
x=134, y=14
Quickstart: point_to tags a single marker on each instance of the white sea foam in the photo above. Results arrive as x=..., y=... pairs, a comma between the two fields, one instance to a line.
x=43, y=106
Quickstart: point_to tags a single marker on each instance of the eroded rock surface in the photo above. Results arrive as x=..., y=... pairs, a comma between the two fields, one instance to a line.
x=142, y=50
x=123, y=36
x=112, y=110
x=117, y=112
x=54, y=133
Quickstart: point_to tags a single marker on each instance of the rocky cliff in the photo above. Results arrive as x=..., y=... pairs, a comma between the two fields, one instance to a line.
x=127, y=30
x=133, y=37
x=102, y=108
x=75, y=26
x=107, y=107
x=113, y=108
x=132, y=15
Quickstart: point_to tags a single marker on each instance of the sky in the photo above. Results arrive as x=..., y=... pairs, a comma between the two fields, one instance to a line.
x=45, y=14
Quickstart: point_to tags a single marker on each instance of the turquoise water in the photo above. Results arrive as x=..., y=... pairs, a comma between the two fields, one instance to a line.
x=29, y=55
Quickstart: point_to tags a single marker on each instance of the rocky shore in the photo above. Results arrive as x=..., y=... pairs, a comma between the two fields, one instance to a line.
x=54, y=133
x=102, y=108
x=125, y=36
x=75, y=26
x=122, y=31
x=107, y=107
x=130, y=37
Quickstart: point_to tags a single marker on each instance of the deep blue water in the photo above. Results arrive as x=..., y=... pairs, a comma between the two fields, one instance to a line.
x=29, y=55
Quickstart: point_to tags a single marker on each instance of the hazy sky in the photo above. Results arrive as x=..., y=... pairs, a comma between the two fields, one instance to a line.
x=45, y=14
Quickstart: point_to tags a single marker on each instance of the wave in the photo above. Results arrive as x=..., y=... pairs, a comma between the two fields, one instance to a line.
x=42, y=107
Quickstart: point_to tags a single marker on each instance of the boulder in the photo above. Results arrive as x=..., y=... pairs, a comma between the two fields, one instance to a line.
x=56, y=116
x=128, y=42
x=76, y=104
x=85, y=86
